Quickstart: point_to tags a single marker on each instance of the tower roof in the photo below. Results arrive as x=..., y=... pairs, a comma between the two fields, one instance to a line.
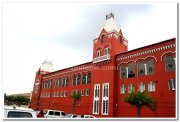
x=47, y=66
x=109, y=24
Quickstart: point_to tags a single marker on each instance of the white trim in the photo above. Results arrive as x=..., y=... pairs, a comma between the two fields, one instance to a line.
x=123, y=89
x=105, y=99
x=151, y=86
x=145, y=68
x=131, y=61
x=147, y=51
x=151, y=57
x=108, y=46
x=118, y=66
x=165, y=54
x=100, y=48
x=97, y=98
x=140, y=59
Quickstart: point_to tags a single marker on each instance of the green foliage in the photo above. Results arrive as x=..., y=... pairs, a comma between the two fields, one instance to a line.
x=15, y=99
x=139, y=99
x=76, y=96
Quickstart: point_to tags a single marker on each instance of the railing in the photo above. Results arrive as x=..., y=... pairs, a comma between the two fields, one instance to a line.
x=102, y=58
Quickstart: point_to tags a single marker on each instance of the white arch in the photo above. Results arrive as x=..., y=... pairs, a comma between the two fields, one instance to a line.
x=151, y=57
x=139, y=59
x=131, y=61
x=107, y=44
x=100, y=47
x=120, y=64
x=165, y=54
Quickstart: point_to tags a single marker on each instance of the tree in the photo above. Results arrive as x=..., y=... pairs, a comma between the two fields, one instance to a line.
x=77, y=97
x=10, y=99
x=140, y=99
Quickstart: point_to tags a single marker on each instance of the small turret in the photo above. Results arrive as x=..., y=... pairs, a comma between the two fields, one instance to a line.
x=47, y=66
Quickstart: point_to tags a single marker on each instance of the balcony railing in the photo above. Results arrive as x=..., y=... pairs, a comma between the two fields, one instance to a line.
x=102, y=58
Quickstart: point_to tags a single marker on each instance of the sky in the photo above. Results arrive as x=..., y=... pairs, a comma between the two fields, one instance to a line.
x=64, y=32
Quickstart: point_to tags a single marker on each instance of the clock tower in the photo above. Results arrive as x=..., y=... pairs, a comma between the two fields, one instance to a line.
x=109, y=42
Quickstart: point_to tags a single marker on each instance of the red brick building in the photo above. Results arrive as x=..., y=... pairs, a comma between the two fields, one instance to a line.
x=113, y=73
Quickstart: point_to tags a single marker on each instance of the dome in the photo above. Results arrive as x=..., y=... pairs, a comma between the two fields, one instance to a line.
x=47, y=66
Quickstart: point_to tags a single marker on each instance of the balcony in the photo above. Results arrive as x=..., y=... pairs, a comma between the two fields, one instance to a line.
x=101, y=58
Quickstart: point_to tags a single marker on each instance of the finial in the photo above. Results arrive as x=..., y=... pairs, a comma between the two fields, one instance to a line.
x=111, y=15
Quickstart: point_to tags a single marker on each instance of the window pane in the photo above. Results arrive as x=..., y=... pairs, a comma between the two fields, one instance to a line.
x=131, y=71
x=123, y=89
x=141, y=69
x=74, y=80
x=141, y=87
x=131, y=88
x=171, y=84
x=123, y=71
x=150, y=66
x=14, y=114
x=57, y=113
x=89, y=78
x=170, y=63
x=103, y=38
x=84, y=79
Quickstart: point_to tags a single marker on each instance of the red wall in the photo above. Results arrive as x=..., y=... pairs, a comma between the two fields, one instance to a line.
x=165, y=98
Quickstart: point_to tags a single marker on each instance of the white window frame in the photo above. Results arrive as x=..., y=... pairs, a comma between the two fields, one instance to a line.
x=82, y=92
x=36, y=87
x=123, y=89
x=65, y=94
x=105, y=98
x=99, y=53
x=142, y=90
x=62, y=94
x=172, y=81
x=87, y=92
x=130, y=88
x=106, y=51
x=151, y=86
x=96, y=98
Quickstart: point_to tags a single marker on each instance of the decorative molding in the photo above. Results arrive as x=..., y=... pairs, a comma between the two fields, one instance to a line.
x=100, y=47
x=165, y=54
x=70, y=70
x=147, y=52
x=108, y=46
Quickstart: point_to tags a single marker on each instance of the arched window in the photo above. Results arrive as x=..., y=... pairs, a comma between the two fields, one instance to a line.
x=89, y=78
x=150, y=66
x=131, y=70
x=123, y=71
x=106, y=51
x=98, y=53
x=78, y=79
x=103, y=38
x=84, y=79
x=57, y=83
x=65, y=81
x=141, y=68
x=170, y=63
x=74, y=80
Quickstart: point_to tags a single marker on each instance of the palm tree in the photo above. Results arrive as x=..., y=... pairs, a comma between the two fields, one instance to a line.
x=139, y=99
x=77, y=97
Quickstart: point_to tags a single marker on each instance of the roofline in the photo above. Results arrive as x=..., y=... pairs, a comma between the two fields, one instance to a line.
x=67, y=68
x=145, y=46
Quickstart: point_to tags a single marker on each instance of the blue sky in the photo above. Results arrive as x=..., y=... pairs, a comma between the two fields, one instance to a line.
x=64, y=33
